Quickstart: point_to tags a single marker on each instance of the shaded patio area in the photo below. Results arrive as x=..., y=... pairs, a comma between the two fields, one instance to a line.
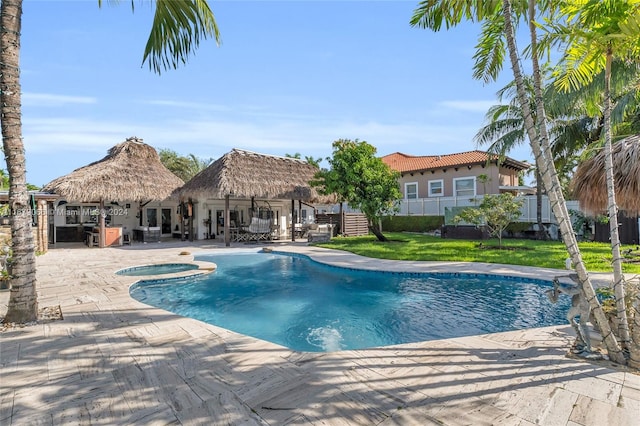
x=113, y=360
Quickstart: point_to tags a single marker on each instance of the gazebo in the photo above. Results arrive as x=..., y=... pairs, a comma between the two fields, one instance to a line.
x=589, y=184
x=131, y=172
x=249, y=175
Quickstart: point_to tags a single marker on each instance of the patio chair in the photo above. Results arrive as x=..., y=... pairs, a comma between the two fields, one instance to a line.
x=234, y=231
x=126, y=237
x=259, y=229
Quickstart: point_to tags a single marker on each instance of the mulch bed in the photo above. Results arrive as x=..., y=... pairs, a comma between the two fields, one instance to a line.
x=45, y=315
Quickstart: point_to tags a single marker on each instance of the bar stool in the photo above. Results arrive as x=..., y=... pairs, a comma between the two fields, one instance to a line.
x=93, y=239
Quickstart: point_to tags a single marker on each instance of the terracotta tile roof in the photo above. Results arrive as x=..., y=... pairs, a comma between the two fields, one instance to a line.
x=411, y=163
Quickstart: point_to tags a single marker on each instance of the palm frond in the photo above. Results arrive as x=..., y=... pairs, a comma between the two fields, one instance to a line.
x=505, y=133
x=432, y=14
x=507, y=141
x=490, y=50
x=178, y=27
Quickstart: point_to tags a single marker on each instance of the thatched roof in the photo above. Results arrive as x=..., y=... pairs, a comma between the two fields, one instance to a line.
x=246, y=174
x=589, y=183
x=131, y=171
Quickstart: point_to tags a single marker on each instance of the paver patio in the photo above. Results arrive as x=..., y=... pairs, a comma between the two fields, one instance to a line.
x=113, y=360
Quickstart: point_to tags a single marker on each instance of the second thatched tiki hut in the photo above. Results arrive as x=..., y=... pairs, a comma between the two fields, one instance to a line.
x=243, y=185
x=128, y=190
x=589, y=187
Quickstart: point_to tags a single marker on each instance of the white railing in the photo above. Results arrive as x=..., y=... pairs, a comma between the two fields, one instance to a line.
x=436, y=207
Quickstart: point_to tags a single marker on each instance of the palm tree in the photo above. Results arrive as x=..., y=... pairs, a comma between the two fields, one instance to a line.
x=498, y=31
x=578, y=136
x=504, y=131
x=176, y=32
x=595, y=32
x=575, y=122
x=183, y=167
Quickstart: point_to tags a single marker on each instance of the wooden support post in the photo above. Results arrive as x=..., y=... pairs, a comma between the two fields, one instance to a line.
x=42, y=216
x=293, y=225
x=227, y=219
x=102, y=231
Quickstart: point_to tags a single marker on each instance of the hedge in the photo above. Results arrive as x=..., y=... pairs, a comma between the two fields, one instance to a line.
x=411, y=223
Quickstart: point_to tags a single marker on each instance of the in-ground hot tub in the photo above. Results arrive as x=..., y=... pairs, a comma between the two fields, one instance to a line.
x=160, y=269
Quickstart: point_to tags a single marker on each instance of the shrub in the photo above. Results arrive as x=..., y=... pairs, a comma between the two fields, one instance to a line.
x=412, y=223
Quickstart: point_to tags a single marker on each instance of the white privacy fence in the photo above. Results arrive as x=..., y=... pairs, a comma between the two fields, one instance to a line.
x=436, y=207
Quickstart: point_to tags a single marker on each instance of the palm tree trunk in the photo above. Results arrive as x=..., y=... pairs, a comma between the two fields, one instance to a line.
x=541, y=148
x=542, y=232
x=23, y=304
x=618, y=277
x=634, y=348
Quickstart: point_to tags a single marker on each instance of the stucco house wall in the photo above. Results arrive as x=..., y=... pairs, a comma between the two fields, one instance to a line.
x=466, y=174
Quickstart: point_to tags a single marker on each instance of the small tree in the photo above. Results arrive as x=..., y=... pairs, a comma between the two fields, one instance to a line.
x=309, y=159
x=360, y=178
x=183, y=167
x=495, y=212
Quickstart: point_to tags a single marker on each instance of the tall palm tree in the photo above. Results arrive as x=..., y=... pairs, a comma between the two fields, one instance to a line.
x=575, y=121
x=498, y=30
x=544, y=156
x=178, y=27
x=578, y=136
x=504, y=131
x=594, y=33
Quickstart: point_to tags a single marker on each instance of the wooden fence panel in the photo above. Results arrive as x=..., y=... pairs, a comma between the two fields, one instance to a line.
x=628, y=230
x=355, y=224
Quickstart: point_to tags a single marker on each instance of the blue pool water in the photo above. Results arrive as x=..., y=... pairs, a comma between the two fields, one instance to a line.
x=161, y=269
x=301, y=304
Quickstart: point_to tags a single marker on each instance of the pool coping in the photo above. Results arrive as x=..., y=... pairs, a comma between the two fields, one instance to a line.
x=129, y=362
x=203, y=268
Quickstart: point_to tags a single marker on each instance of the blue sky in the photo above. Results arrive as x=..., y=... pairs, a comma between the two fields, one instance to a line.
x=290, y=76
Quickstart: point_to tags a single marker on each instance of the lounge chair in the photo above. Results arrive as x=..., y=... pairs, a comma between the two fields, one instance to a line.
x=319, y=233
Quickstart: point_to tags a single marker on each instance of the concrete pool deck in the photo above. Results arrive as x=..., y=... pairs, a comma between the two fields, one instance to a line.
x=113, y=360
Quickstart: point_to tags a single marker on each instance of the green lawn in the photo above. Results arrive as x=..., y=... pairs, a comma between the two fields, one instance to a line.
x=548, y=254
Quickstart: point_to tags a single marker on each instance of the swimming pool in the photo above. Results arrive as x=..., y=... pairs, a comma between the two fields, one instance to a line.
x=307, y=306
x=160, y=269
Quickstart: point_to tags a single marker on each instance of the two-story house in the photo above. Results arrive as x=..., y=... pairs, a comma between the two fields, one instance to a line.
x=464, y=174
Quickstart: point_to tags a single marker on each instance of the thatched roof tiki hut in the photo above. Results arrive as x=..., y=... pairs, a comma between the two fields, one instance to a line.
x=131, y=172
x=589, y=182
x=245, y=174
x=589, y=185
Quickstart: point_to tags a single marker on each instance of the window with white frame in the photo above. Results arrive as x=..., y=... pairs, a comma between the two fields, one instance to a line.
x=464, y=187
x=436, y=188
x=411, y=190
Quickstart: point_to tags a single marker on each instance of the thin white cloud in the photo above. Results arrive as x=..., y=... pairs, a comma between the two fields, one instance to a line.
x=69, y=134
x=264, y=111
x=51, y=100
x=470, y=106
x=208, y=137
x=90, y=139
x=186, y=105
